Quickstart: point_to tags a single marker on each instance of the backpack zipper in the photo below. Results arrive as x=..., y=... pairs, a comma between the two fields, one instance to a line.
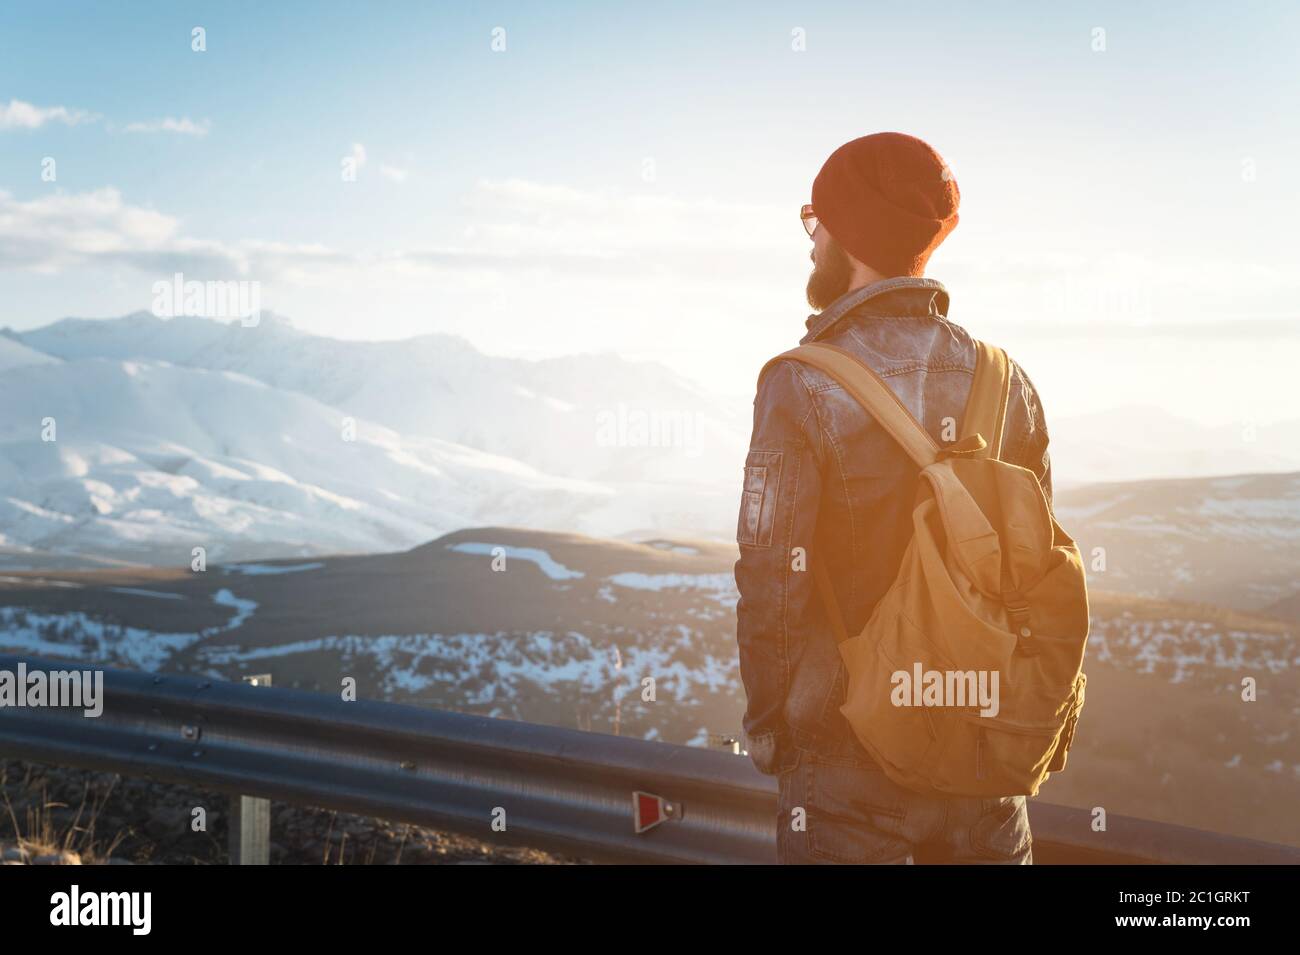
x=1007, y=726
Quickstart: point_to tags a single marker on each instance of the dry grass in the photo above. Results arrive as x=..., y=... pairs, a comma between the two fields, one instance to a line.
x=38, y=833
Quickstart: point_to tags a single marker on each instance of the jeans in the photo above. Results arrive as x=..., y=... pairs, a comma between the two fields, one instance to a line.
x=853, y=813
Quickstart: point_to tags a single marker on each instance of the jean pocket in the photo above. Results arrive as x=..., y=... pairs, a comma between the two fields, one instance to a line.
x=1001, y=833
x=793, y=762
x=856, y=814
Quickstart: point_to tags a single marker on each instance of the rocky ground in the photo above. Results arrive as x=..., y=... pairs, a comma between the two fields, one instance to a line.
x=58, y=816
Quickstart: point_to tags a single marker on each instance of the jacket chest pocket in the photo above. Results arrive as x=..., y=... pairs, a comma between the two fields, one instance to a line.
x=758, y=499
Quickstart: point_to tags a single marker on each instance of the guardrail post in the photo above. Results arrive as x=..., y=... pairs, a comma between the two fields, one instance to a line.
x=250, y=817
x=724, y=741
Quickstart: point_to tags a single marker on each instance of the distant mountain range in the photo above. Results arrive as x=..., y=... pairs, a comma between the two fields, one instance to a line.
x=1147, y=443
x=265, y=441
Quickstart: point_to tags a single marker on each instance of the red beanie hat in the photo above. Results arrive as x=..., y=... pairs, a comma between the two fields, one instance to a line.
x=888, y=199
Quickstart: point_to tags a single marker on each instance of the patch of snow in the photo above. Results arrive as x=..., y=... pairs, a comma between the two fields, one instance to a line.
x=243, y=608
x=41, y=582
x=548, y=565
x=77, y=636
x=262, y=570
x=723, y=586
x=674, y=548
x=154, y=594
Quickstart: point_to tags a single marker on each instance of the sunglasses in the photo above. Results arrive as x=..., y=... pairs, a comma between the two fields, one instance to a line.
x=809, y=219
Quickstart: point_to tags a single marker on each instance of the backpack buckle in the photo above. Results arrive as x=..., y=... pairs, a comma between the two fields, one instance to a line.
x=968, y=447
x=1018, y=615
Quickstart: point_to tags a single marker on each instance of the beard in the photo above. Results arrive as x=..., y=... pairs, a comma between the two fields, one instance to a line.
x=830, y=278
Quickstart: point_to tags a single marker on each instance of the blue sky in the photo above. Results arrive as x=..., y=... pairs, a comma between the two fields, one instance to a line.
x=628, y=178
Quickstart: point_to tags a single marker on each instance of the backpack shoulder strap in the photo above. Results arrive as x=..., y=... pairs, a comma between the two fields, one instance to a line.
x=986, y=408
x=871, y=392
x=879, y=401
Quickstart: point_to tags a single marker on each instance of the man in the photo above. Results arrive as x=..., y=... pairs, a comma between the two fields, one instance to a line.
x=824, y=481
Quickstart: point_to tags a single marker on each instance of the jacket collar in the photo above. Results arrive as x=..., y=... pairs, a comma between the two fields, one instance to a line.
x=900, y=296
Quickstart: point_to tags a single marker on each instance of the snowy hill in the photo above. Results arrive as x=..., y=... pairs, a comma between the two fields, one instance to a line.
x=1233, y=541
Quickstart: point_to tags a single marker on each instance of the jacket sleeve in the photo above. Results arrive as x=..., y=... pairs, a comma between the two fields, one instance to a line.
x=778, y=513
x=1031, y=449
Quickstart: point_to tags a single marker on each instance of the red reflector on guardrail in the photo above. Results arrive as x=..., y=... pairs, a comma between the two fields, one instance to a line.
x=648, y=810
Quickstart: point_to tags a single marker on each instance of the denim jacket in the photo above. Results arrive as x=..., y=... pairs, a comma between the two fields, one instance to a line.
x=823, y=478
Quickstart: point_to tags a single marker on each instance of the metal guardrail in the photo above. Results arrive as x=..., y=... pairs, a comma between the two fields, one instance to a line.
x=560, y=789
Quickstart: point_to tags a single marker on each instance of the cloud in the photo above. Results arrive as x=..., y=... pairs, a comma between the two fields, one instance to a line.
x=393, y=174
x=20, y=115
x=63, y=231
x=516, y=242
x=527, y=219
x=514, y=226
x=358, y=155
x=183, y=126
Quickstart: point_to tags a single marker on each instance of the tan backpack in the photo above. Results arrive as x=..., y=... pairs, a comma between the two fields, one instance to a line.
x=990, y=589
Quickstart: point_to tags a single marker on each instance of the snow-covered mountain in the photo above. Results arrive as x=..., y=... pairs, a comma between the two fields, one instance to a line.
x=140, y=438
x=150, y=460
x=588, y=416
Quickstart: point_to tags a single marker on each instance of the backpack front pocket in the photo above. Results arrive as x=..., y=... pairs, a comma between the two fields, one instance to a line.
x=882, y=704
x=1000, y=757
